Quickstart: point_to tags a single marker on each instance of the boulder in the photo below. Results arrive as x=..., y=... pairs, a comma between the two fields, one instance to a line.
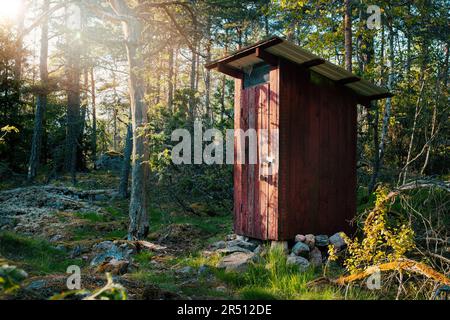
x=109, y=161
x=237, y=262
x=203, y=269
x=243, y=244
x=230, y=237
x=258, y=250
x=56, y=238
x=36, y=285
x=300, y=238
x=108, y=250
x=301, y=262
x=300, y=249
x=337, y=241
x=315, y=257
x=242, y=238
x=218, y=245
x=310, y=241
x=186, y=270
x=321, y=240
x=233, y=249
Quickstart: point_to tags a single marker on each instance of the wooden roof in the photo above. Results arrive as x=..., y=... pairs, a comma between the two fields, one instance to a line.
x=271, y=49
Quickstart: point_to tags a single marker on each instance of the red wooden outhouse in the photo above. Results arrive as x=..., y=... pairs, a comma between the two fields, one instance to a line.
x=312, y=103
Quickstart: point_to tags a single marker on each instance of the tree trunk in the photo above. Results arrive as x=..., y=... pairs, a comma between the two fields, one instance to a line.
x=94, y=120
x=442, y=76
x=192, y=86
x=376, y=156
x=41, y=101
x=208, y=74
x=139, y=224
x=73, y=105
x=348, y=35
x=388, y=106
x=125, y=173
x=170, y=81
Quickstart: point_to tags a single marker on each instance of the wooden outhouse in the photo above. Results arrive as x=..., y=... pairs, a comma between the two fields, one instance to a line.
x=312, y=104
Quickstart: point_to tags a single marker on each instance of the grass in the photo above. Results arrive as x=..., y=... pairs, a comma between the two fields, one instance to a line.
x=91, y=216
x=216, y=226
x=273, y=278
x=35, y=255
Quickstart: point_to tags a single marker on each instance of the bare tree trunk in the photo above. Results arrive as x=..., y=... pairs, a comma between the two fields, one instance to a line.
x=73, y=106
x=41, y=101
x=125, y=173
x=81, y=163
x=388, y=106
x=170, y=81
x=208, y=74
x=442, y=76
x=192, y=85
x=413, y=131
x=139, y=224
x=19, y=57
x=94, y=120
x=376, y=160
x=348, y=35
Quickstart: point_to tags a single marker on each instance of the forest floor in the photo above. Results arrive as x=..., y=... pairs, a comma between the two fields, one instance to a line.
x=45, y=229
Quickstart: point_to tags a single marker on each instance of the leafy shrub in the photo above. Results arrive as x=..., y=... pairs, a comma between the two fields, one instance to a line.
x=10, y=278
x=386, y=237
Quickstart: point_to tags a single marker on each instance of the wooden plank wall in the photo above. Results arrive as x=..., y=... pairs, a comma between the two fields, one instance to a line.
x=317, y=178
x=272, y=202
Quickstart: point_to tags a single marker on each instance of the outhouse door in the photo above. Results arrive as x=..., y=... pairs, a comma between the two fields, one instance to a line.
x=253, y=180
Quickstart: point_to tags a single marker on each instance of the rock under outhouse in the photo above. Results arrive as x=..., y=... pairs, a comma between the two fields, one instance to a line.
x=312, y=103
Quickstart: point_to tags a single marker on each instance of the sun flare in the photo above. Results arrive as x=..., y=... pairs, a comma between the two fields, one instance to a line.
x=9, y=9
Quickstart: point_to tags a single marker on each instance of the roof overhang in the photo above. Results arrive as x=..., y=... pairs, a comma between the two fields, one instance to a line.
x=270, y=50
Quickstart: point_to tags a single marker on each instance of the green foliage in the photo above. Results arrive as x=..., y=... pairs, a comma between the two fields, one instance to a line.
x=386, y=237
x=10, y=278
x=111, y=291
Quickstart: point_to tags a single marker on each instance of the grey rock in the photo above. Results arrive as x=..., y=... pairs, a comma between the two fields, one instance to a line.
x=107, y=250
x=203, y=269
x=221, y=289
x=337, y=241
x=37, y=285
x=301, y=262
x=233, y=249
x=60, y=247
x=241, y=238
x=321, y=240
x=231, y=237
x=76, y=251
x=243, y=244
x=300, y=238
x=310, y=240
x=186, y=270
x=109, y=162
x=258, y=250
x=218, y=245
x=300, y=249
x=315, y=257
x=56, y=238
x=237, y=262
